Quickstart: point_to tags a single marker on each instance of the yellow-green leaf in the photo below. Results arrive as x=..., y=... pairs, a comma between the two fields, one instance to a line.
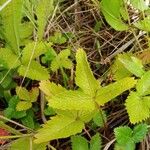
x=84, y=76
x=50, y=88
x=72, y=100
x=22, y=93
x=9, y=58
x=43, y=11
x=58, y=127
x=111, y=11
x=23, y=105
x=33, y=50
x=34, y=93
x=109, y=92
x=34, y=71
x=137, y=109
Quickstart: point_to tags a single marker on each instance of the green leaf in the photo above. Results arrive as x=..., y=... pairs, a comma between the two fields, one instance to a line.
x=34, y=50
x=26, y=143
x=22, y=93
x=34, y=93
x=43, y=11
x=28, y=120
x=58, y=127
x=137, y=109
x=34, y=71
x=110, y=91
x=128, y=146
x=139, y=4
x=11, y=112
x=72, y=100
x=111, y=11
x=23, y=105
x=11, y=19
x=134, y=65
x=61, y=61
x=96, y=142
x=79, y=143
x=50, y=88
x=84, y=76
x=143, y=85
x=117, y=68
x=143, y=24
x=58, y=38
x=139, y=132
x=6, y=54
x=100, y=118
x=123, y=135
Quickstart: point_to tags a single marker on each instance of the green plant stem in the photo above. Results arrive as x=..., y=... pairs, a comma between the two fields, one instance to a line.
x=65, y=78
x=15, y=136
x=16, y=123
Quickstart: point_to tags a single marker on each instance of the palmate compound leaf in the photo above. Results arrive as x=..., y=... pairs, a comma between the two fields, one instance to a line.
x=58, y=127
x=84, y=76
x=34, y=71
x=138, y=108
x=143, y=84
x=110, y=91
x=34, y=49
x=111, y=11
x=6, y=54
x=11, y=18
x=72, y=100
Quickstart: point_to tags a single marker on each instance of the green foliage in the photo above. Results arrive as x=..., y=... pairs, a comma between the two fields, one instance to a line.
x=61, y=61
x=80, y=143
x=143, y=24
x=11, y=20
x=27, y=97
x=43, y=11
x=11, y=112
x=59, y=127
x=34, y=50
x=134, y=65
x=96, y=142
x=117, y=68
x=5, y=55
x=127, y=138
x=100, y=118
x=111, y=10
x=143, y=85
x=78, y=105
x=58, y=38
x=84, y=76
x=114, y=89
x=139, y=4
x=26, y=143
x=34, y=71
